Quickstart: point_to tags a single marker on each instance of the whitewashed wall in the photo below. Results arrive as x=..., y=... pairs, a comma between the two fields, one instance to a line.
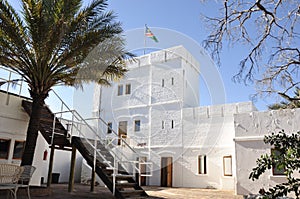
x=197, y=130
x=250, y=129
x=205, y=131
x=13, y=125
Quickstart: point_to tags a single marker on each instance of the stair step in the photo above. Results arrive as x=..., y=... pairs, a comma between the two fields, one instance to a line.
x=121, y=176
x=125, y=185
x=131, y=193
x=108, y=171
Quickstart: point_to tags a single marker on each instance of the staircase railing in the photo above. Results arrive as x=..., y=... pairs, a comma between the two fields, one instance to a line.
x=73, y=122
x=9, y=81
x=89, y=131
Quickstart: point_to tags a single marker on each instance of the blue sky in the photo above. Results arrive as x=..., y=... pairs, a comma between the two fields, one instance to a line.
x=185, y=18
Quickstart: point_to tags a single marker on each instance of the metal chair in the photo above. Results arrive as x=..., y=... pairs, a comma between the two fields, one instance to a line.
x=24, y=179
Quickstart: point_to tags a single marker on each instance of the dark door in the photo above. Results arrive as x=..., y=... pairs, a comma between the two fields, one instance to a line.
x=122, y=131
x=166, y=172
x=143, y=171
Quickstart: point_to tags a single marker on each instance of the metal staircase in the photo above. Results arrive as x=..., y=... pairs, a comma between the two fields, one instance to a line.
x=46, y=127
x=116, y=165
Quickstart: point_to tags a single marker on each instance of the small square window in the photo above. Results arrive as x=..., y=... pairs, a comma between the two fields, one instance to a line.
x=4, y=148
x=277, y=170
x=120, y=90
x=202, y=164
x=109, y=127
x=18, y=149
x=128, y=89
x=137, y=125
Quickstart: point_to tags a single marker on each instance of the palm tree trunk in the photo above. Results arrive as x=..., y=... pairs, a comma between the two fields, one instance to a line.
x=33, y=129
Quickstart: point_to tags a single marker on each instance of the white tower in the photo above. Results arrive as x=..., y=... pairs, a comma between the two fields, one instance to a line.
x=146, y=105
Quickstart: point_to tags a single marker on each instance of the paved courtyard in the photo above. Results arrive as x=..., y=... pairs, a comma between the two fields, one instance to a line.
x=190, y=193
x=60, y=191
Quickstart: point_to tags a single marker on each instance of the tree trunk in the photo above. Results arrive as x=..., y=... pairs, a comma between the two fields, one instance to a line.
x=33, y=129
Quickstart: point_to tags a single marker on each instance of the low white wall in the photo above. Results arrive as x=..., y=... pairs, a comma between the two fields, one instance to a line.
x=13, y=126
x=62, y=163
x=250, y=129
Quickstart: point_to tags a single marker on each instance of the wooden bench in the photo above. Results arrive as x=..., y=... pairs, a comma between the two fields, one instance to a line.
x=9, y=176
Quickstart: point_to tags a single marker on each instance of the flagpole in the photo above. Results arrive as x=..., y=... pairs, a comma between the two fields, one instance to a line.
x=145, y=39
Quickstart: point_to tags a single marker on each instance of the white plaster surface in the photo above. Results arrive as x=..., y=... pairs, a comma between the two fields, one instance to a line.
x=196, y=130
x=13, y=126
x=250, y=129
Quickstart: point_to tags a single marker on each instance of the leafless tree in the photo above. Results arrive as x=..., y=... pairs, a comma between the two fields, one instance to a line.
x=270, y=30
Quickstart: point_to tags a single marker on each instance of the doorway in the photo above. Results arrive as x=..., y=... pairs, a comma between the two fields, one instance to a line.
x=166, y=172
x=122, y=132
x=143, y=169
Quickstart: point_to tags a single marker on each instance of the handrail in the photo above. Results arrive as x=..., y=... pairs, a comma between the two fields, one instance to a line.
x=94, y=148
x=78, y=117
x=117, y=135
x=114, y=133
x=123, y=141
x=9, y=81
x=61, y=100
x=119, y=157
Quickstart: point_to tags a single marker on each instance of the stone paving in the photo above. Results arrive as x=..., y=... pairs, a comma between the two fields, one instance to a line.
x=190, y=193
x=60, y=191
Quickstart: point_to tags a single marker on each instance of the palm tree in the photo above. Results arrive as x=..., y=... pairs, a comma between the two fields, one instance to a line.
x=290, y=103
x=49, y=43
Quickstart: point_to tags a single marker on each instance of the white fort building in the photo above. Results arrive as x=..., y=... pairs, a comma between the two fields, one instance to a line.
x=154, y=110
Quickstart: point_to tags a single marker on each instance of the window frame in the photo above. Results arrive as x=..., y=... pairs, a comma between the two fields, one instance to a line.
x=127, y=89
x=137, y=127
x=200, y=159
x=13, y=156
x=224, y=165
x=8, y=148
x=120, y=90
x=275, y=170
x=109, y=128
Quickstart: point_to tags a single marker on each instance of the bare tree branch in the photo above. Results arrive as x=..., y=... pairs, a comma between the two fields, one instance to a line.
x=271, y=29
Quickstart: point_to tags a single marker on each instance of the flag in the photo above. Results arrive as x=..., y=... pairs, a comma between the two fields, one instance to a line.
x=149, y=34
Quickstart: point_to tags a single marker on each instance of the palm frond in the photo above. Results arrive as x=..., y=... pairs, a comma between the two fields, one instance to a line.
x=54, y=43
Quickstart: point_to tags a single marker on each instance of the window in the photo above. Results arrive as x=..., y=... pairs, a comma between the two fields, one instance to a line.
x=277, y=169
x=162, y=124
x=18, y=149
x=202, y=164
x=120, y=90
x=227, y=165
x=137, y=125
x=172, y=81
x=172, y=124
x=4, y=148
x=128, y=89
x=109, y=127
x=162, y=82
